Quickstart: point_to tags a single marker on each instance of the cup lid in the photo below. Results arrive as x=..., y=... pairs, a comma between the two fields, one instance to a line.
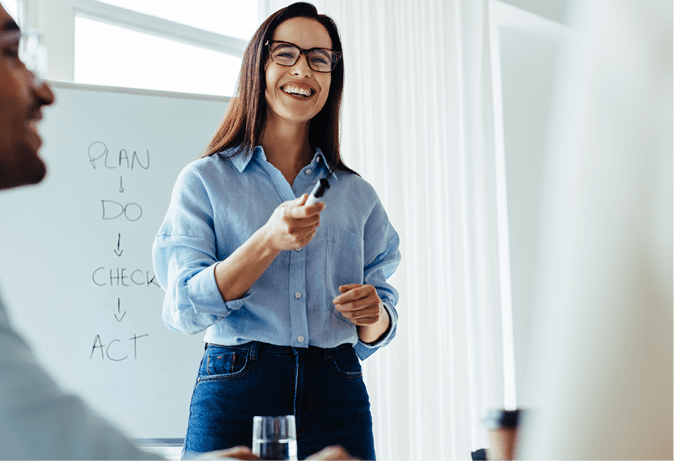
x=497, y=419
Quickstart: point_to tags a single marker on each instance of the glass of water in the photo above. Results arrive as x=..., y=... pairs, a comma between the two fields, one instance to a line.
x=273, y=437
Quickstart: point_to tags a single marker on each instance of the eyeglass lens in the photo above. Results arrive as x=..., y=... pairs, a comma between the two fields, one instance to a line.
x=318, y=60
x=32, y=52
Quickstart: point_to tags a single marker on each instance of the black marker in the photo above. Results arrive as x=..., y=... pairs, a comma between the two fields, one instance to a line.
x=319, y=190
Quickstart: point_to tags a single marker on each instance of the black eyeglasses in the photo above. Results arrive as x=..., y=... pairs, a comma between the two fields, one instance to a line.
x=287, y=54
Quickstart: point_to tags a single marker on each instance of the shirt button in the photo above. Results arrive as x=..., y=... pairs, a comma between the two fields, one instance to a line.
x=309, y=171
x=301, y=339
x=298, y=249
x=298, y=295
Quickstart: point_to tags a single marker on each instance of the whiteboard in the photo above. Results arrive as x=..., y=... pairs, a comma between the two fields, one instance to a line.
x=77, y=274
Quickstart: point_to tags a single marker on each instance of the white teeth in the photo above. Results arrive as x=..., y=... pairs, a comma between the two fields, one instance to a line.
x=295, y=90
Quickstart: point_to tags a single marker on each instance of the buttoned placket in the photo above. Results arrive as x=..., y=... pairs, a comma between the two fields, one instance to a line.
x=298, y=300
x=296, y=264
x=298, y=296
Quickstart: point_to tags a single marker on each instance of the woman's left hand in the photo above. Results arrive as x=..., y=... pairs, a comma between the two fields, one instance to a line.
x=360, y=304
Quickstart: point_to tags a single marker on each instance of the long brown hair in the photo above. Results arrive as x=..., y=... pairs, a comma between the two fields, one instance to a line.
x=245, y=118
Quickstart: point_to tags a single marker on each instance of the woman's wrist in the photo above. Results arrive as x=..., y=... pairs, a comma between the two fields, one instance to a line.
x=236, y=274
x=264, y=240
x=371, y=334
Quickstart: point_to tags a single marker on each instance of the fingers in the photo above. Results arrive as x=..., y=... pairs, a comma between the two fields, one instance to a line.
x=300, y=200
x=362, y=321
x=292, y=224
x=354, y=291
x=359, y=303
x=305, y=238
x=297, y=210
x=307, y=212
x=299, y=216
x=332, y=452
x=347, y=288
x=303, y=217
x=239, y=452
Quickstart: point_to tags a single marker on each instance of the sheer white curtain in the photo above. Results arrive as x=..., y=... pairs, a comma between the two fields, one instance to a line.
x=418, y=125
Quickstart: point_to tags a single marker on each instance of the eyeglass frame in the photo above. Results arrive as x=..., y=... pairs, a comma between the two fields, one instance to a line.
x=302, y=51
x=34, y=59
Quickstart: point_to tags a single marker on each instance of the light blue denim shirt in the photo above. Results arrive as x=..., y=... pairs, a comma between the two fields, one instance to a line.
x=218, y=203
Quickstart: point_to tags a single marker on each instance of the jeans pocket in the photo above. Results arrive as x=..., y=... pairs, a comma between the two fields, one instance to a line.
x=224, y=362
x=346, y=363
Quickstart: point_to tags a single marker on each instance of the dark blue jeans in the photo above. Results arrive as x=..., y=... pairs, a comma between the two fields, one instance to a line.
x=323, y=388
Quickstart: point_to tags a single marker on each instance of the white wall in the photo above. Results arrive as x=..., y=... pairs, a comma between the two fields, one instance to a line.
x=588, y=173
x=528, y=68
x=527, y=45
x=554, y=10
x=602, y=383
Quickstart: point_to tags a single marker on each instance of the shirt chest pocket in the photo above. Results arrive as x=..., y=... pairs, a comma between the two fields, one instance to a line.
x=344, y=262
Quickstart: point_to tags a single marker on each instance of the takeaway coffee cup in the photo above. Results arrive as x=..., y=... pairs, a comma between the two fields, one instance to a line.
x=502, y=429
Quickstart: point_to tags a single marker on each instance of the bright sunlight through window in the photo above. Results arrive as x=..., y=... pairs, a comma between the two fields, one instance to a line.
x=115, y=56
x=11, y=8
x=235, y=18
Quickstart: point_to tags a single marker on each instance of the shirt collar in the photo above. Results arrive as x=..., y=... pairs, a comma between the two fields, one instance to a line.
x=319, y=157
x=242, y=160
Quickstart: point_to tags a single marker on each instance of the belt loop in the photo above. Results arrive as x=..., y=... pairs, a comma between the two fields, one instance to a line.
x=327, y=354
x=254, y=350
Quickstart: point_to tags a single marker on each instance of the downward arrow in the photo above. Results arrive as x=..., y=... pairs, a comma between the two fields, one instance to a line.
x=122, y=189
x=123, y=314
x=118, y=251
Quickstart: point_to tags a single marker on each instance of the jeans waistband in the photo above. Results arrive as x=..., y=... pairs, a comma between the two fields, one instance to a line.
x=255, y=347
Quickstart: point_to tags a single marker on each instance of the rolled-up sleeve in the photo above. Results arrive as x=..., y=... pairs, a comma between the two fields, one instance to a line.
x=382, y=256
x=184, y=258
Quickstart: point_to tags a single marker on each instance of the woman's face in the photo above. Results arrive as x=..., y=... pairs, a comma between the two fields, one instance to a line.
x=281, y=81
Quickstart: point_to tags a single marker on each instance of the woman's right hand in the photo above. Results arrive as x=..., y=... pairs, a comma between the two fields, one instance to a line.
x=293, y=225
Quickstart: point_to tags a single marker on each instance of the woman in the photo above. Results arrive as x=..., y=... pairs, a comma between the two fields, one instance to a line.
x=290, y=296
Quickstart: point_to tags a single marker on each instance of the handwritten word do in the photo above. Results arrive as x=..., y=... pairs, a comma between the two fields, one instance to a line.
x=120, y=277
x=98, y=151
x=113, y=210
x=106, y=350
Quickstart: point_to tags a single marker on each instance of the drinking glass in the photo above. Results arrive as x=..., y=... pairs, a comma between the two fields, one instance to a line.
x=273, y=437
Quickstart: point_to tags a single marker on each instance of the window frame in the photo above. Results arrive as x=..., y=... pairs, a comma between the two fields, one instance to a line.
x=56, y=20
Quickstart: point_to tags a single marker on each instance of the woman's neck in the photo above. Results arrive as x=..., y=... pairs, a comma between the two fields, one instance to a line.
x=286, y=146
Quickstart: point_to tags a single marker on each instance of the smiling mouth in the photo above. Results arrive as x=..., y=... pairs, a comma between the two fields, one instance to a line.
x=35, y=116
x=296, y=91
x=33, y=121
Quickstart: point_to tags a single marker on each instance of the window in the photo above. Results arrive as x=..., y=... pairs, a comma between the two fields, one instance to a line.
x=110, y=55
x=235, y=18
x=11, y=8
x=191, y=46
